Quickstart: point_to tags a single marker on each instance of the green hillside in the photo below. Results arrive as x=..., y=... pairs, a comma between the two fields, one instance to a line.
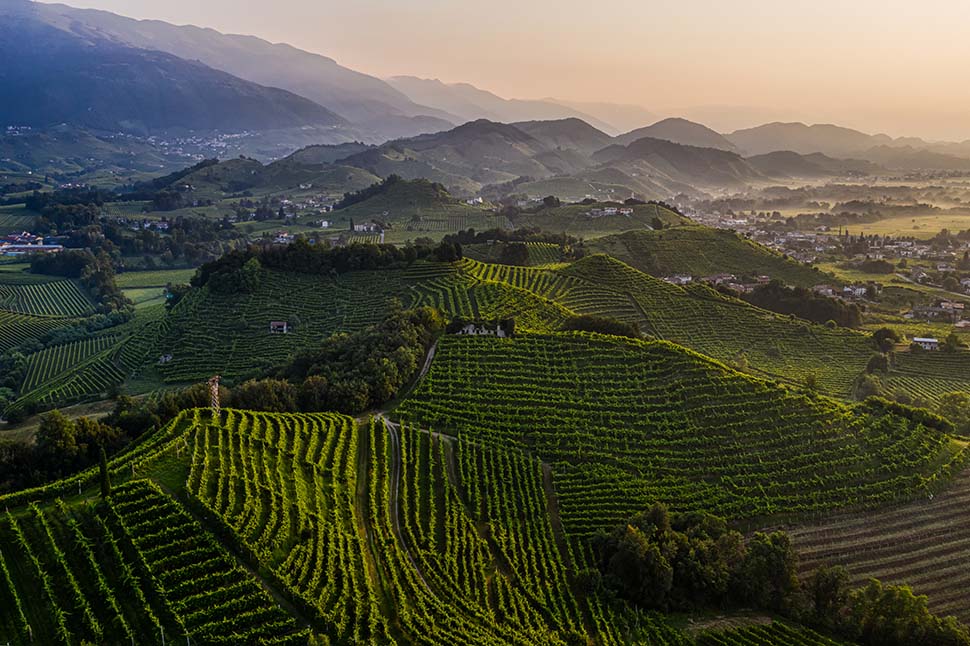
x=267, y=528
x=237, y=175
x=625, y=423
x=702, y=251
x=699, y=318
x=574, y=219
x=417, y=208
x=377, y=534
x=211, y=333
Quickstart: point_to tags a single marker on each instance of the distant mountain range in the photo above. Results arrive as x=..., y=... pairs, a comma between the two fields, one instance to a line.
x=114, y=77
x=51, y=76
x=470, y=103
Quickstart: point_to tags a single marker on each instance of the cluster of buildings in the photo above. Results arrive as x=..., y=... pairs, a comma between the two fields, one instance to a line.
x=609, y=211
x=24, y=243
x=943, y=311
x=143, y=224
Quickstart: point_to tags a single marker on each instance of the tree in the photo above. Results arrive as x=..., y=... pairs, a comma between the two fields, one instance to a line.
x=829, y=592
x=656, y=223
x=767, y=577
x=952, y=342
x=955, y=407
x=56, y=439
x=878, y=362
x=885, y=339
x=105, y=478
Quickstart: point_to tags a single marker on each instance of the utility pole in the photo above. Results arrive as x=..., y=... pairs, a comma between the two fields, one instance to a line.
x=214, y=398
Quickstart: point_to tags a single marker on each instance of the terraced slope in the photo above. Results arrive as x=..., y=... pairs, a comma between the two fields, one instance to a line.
x=626, y=423
x=212, y=333
x=16, y=329
x=773, y=633
x=229, y=334
x=86, y=369
x=55, y=298
x=365, y=534
x=922, y=544
x=699, y=318
x=928, y=375
x=540, y=253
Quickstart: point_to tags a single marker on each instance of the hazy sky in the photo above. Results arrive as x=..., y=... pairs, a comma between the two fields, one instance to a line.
x=879, y=65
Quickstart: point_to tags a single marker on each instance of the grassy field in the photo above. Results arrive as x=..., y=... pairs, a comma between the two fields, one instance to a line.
x=923, y=226
x=160, y=278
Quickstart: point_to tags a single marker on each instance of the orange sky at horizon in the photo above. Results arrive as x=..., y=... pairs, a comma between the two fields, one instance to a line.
x=879, y=66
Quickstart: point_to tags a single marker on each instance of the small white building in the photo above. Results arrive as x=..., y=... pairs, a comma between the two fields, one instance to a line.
x=927, y=343
x=279, y=327
x=482, y=330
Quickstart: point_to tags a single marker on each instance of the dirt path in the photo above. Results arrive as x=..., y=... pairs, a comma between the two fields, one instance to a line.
x=552, y=507
x=395, y=488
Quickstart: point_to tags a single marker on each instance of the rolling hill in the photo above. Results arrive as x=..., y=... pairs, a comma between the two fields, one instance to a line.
x=468, y=157
x=664, y=161
x=788, y=164
x=800, y=138
x=679, y=131
x=52, y=76
x=568, y=134
x=252, y=527
x=702, y=251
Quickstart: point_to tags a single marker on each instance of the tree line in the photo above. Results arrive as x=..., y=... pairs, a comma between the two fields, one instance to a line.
x=693, y=562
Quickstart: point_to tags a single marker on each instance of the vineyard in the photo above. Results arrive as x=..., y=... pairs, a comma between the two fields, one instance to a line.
x=928, y=375
x=86, y=369
x=540, y=253
x=228, y=334
x=759, y=635
x=626, y=423
x=16, y=329
x=376, y=534
x=159, y=278
x=53, y=298
x=921, y=544
x=47, y=364
x=366, y=532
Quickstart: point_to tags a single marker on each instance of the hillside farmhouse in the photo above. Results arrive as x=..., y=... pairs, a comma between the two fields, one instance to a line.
x=927, y=343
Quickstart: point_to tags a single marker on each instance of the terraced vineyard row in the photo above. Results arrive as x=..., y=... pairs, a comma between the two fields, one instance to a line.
x=229, y=334
x=88, y=368
x=16, y=329
x=540, y=253
x=213, y=599
x=760, y=635
x=928, y=375
x=57, y=298
x=373, y=534
x=627, y=423
x=50, y=362
x=922, y=544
